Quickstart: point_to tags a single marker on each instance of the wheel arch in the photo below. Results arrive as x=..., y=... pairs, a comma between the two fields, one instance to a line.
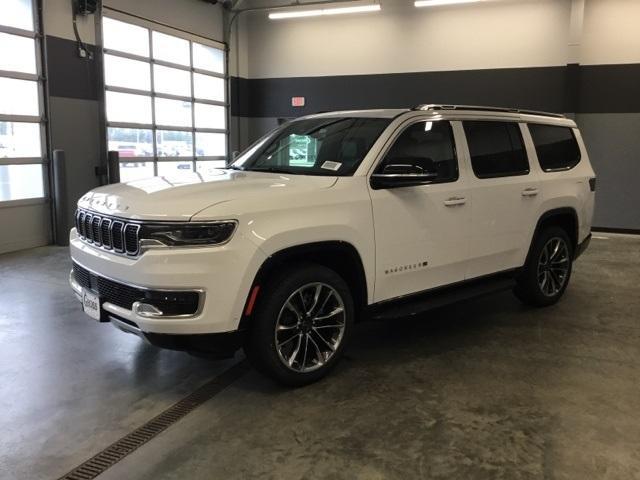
x=563, y=217
x=340, y=256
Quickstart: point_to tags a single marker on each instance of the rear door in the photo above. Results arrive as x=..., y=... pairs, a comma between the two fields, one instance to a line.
x=421, y=232
x=505, y=195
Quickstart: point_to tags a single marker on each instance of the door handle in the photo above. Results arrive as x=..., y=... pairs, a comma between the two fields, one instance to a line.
x=530, y=192
x=453, y=201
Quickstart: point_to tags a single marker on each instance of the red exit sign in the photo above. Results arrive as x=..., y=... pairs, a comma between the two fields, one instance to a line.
x=297, y=101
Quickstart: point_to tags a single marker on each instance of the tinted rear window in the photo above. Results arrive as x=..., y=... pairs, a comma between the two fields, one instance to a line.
x=556, y=147
x=496, y=149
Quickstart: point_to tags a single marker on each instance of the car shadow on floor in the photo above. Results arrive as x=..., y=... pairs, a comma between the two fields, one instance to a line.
x=462, y=327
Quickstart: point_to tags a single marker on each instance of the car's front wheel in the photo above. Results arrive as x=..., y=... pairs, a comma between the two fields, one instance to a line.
x=301, y=325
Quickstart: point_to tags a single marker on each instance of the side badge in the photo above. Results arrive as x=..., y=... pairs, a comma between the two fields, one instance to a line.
x=406, y=268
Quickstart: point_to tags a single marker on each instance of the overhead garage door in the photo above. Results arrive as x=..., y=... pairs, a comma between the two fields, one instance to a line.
x=165, y=98
x=24, y=210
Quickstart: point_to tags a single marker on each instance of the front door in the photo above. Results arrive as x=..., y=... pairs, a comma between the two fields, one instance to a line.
x=421, y=232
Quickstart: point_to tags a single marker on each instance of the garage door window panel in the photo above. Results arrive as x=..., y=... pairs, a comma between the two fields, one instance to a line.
x=171, y=49
x=17, y=14
x=172, y=169
x=171, y=81
x=125, y=37
x=206, y=87
x=128, y=108
x=20, y=140
x=17, y=53
x=211, y=144
x=19, y=97
x=496, y=149
x=126, y=73
x=174, y=143
x=208, y=58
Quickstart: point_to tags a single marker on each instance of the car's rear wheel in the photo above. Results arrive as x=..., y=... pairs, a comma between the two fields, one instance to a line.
x=546, y=275
x=301, y=326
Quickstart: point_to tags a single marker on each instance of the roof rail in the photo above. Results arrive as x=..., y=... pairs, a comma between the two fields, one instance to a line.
x=487, y=109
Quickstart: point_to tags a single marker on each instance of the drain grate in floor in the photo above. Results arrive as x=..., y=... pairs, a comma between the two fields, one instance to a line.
x=134, y=440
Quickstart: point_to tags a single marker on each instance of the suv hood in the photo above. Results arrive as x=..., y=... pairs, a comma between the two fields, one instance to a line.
x=166, y=198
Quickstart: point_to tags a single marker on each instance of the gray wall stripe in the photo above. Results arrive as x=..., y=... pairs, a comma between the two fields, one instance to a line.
x=571, y=88
x=69, y=75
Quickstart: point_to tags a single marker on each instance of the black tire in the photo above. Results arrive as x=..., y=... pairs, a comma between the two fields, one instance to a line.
x=273, y=308
x=535, y=287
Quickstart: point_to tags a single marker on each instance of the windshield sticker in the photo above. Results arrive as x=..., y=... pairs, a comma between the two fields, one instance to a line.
x=335, y=166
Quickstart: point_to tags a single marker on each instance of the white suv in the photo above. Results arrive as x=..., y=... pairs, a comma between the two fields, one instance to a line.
x=332, y=218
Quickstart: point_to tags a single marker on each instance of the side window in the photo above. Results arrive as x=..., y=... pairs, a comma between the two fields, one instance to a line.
x=496, y=149
x=556, y=147
x=429, y=146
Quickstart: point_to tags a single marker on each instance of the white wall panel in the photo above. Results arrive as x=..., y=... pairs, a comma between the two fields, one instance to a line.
x=58, y=22
x=195, y=16
x=402, y=38
x=611, y=32
x=24, y=226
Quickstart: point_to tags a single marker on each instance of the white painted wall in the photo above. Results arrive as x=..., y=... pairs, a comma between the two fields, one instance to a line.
x=58, y=22
x=195, y=16
x=24, y=226
x=611, y=32
x=402, y=38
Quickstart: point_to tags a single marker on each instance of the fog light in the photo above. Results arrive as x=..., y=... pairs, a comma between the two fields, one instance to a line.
x=146, y=310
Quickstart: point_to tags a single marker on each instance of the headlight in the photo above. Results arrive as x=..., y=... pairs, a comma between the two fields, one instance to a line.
x=213, y=233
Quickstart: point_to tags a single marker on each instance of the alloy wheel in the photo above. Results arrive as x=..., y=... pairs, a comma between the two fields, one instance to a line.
x=310, y=327
x=553, y=266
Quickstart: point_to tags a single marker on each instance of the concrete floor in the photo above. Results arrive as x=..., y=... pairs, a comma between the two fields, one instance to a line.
x=485, y=389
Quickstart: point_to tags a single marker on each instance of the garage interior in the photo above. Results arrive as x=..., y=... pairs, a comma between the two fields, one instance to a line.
x=486, y=388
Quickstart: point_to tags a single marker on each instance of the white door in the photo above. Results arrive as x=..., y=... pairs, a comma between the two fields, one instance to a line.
x=505, y=192
x=422, y=232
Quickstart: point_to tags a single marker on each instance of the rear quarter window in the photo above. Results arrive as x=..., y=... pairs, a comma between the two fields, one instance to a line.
x=556, y=147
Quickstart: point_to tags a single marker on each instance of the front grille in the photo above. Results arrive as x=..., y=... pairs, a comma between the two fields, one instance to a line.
x=108, y=232
x=170, y=302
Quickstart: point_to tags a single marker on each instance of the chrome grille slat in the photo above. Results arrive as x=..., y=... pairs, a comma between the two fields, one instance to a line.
x=109, y=233
x=105, y=233
x=116, y=236
x=95, y=229
x=88, y=231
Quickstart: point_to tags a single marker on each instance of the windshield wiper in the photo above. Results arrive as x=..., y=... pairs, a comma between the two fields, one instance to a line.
x=233, y=167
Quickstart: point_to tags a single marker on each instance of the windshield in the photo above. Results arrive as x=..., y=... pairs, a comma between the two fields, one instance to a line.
x=320, y=146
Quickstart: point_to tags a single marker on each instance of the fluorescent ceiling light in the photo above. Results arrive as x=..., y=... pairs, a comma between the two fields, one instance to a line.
x=324, y=11
x=435, y=3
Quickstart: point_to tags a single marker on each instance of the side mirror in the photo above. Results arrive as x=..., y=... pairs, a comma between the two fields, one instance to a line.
x=398, y=175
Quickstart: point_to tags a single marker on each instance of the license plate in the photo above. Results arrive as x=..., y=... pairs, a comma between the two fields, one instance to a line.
x=91, y=304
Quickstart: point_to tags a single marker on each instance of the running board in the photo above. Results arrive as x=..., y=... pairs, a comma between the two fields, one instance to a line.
x=442, y=296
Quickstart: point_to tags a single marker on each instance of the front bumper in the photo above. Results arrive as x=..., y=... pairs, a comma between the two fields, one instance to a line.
x=220, y=344
x=222, y=275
